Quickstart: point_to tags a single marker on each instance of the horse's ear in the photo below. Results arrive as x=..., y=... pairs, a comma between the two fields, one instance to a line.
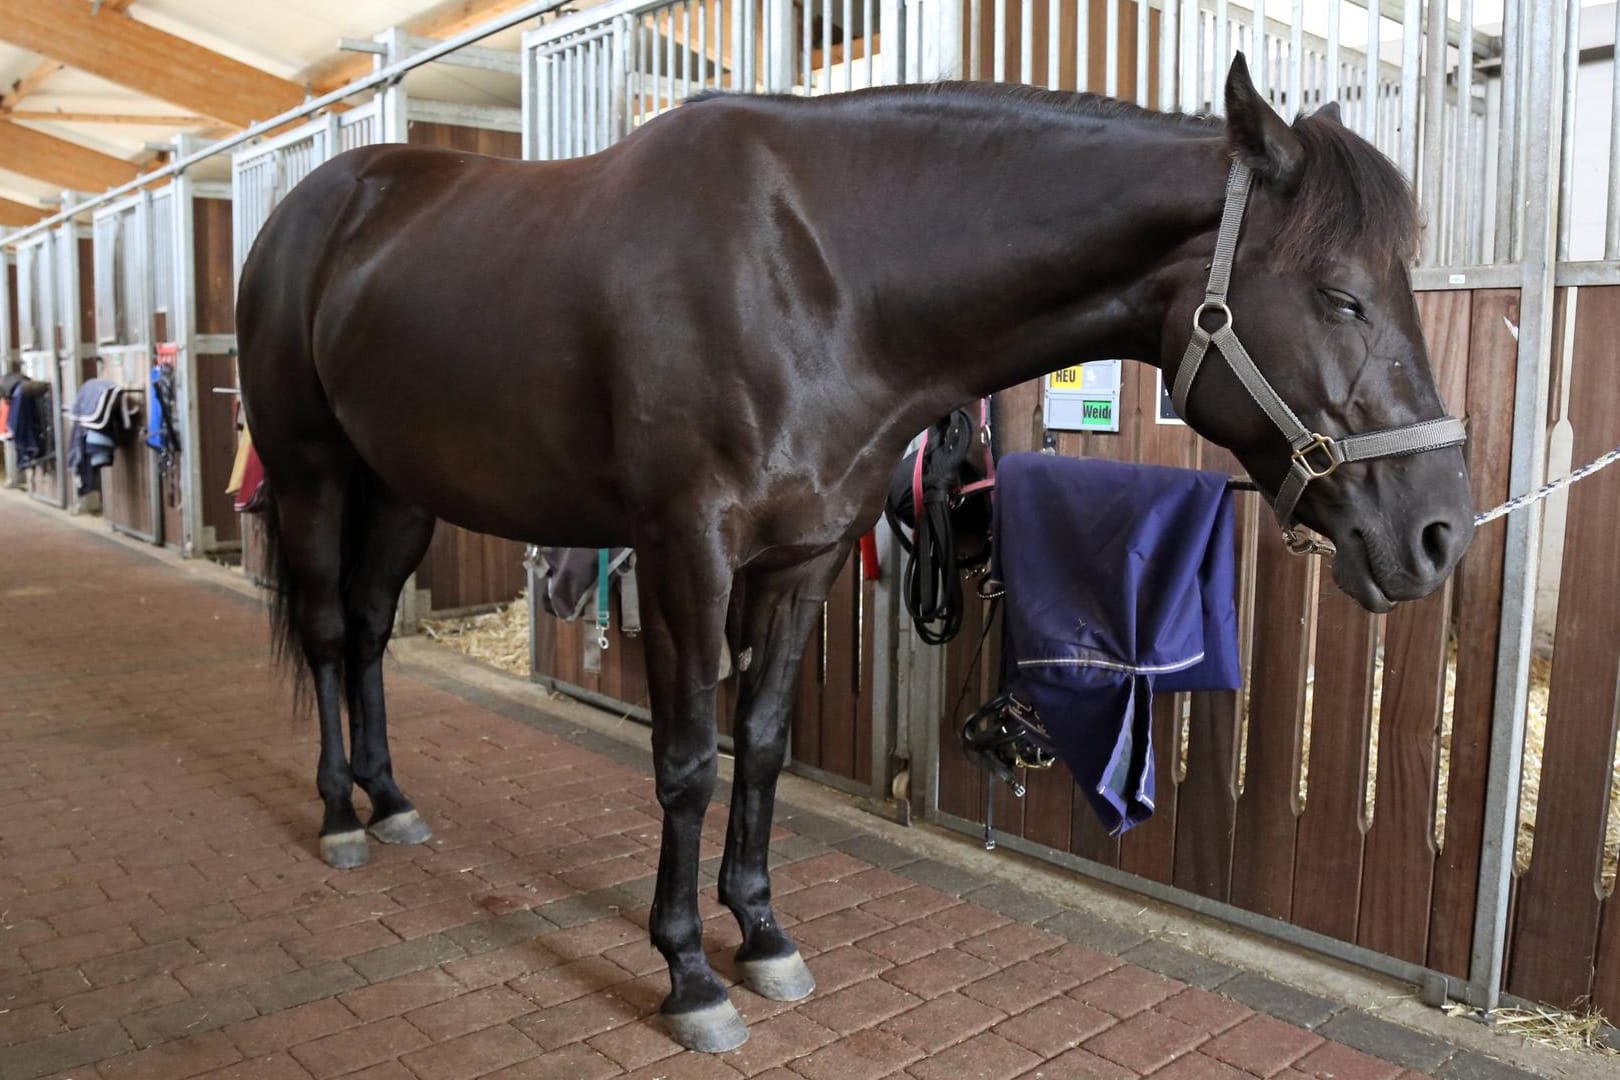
x=1330, y=111
x=1258, y=136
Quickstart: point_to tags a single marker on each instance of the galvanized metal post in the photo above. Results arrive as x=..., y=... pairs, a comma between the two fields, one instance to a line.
x=1544, y=25
x=888, y=728
x=183, y=330
x=779, y=46
x=393, y=110
x=891, y=19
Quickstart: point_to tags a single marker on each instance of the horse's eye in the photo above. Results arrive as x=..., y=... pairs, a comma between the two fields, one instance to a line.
x=1343, y=304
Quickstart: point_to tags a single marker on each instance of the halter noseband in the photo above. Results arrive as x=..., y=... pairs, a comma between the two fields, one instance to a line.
x=1314, y=455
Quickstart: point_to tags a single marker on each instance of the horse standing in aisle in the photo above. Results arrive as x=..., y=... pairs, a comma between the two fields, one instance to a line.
x=713, y=341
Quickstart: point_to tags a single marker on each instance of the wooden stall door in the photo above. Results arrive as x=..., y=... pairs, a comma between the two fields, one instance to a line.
x=215, y=303
x=1268, y=797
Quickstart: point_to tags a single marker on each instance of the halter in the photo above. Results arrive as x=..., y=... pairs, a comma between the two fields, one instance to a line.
x=1314, y=455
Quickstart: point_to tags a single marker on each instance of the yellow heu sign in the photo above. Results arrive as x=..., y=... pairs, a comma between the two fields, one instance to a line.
x=1084, y=397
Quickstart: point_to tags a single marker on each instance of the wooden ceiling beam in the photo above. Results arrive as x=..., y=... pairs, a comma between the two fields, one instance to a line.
x=59, y=162
x=59, y=116
x=443, y=21
x=128, y=52
x=16, y=214
x=29, y=83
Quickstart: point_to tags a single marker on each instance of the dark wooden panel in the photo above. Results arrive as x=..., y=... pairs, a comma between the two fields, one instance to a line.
x=87, y=293
x=1327, y=860
x=126, y=489
x=471, y=139
x=13, y=330
x=1560, y=895
x=1150, y=848
x=1263, y=848
x=867, y=629
x=1206, y=801
x=1477, y=587
x=216, y=435
x=838, y=704
x=960, y=790
x=1399, y=870
x=211, y=252
x=1398, y=875
x=806, y=725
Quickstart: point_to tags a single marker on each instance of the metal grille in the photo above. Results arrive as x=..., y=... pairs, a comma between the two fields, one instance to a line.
x=261, y=176
x=359, y=127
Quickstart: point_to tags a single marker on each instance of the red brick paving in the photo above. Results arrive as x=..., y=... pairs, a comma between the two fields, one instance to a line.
x=163, y=912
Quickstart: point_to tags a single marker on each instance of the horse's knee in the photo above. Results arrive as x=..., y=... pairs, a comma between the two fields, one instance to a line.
x=321, y=632
x=686, y=783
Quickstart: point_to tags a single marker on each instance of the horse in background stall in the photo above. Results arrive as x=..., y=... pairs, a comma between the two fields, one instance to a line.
x=713, y=341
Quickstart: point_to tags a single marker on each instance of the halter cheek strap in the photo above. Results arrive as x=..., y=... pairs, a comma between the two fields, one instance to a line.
x=1314, y=455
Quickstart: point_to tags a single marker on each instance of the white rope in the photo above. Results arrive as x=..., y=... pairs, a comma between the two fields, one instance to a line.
x=1536, y=496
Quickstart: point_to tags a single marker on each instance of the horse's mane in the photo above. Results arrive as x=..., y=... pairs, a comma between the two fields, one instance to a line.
x=1350, y=195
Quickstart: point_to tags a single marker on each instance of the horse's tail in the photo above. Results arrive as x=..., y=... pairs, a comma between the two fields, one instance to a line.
x=285, y=586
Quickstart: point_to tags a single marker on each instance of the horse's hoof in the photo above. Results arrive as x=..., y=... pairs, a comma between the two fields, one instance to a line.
x=345, y=850
x=785, y=978
x=405, y=827
x=713, y=1029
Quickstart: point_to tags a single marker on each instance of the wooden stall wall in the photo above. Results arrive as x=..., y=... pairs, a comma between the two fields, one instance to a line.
x=1565, y=936
x=464, y=570
x=1270, y=798
x=215, y=304
x=13, y=331
x=832, y=715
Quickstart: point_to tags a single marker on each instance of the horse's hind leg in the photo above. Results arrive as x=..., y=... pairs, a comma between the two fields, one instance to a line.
x=779, y=611
x=310, y=539
x=391, y=536
x=684, y=600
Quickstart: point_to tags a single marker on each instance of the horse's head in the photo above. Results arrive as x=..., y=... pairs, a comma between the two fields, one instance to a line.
x=1321, y=298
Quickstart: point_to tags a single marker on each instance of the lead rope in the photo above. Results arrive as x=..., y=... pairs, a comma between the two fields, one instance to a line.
x=1302, y=543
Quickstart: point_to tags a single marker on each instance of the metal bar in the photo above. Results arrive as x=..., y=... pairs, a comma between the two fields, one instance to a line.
x=846, y=33
x=1296, y=60
x=1509, y=156
x=1611, y=230
x=686, y=49
x=1054, y=20
x=1223, y=50
x=1431, y=188
x=869, y=37
x=1370, y=95
x=1330, y=85
x=1467, y=144
x=1168, y=39
x=1026, y=41
x=1595, y=272
x=1111, y=47
x=1493, y=276
x=1411, y=54
x=1082, y=45
x=998, y=43
x=1262, y=54
x=1191, y=60
x=1566, y=171
x=1543, y=135
x=826, y=44
x=1142, y=27
x=809, y=60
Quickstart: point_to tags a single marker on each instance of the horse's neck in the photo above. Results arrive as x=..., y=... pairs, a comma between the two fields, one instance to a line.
x=1004, y=257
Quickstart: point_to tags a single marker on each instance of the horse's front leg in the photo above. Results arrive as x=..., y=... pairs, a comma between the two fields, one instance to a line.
x=780, y=609
x=683, y=621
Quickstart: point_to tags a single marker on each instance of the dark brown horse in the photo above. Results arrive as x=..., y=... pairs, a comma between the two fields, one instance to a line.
x=713, y=341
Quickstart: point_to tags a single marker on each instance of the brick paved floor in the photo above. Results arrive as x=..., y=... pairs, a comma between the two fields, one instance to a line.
x=163, y=912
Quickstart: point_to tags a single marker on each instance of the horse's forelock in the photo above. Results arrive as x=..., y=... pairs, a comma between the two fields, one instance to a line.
x=1350, y=198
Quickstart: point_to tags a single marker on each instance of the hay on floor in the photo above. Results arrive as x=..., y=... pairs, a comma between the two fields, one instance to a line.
x=499, y=638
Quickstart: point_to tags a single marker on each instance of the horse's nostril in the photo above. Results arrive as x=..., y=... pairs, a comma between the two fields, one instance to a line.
x=1437, y=544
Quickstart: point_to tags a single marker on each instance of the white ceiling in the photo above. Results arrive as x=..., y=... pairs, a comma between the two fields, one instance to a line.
x=288, y=38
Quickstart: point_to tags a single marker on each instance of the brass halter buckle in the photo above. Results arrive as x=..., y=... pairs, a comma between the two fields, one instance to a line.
x=1318, y=444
